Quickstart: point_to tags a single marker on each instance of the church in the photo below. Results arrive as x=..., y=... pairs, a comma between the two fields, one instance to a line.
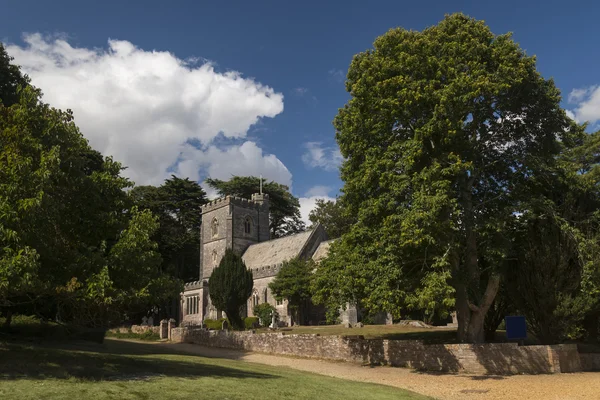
x=243, y=225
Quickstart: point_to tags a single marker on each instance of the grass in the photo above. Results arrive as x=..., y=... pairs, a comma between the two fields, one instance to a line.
x=134, y=370
x=400, y=332
x=393, y=332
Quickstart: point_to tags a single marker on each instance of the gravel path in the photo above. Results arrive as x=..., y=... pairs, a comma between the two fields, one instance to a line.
x=584, y=385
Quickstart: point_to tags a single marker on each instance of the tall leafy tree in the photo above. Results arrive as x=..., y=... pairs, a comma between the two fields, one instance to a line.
x=285, y=208
x=177, y=204
x=293, y=283
x=231, y=285
x=63, y=214
x=443, y=128
x=11, y=79
x=332, y=216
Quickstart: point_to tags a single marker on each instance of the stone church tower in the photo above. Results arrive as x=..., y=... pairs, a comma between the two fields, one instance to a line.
x=229, y=222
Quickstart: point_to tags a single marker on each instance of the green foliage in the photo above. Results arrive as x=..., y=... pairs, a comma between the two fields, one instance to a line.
x=250, y=322
x=265, y=312
x=285, y=218
x=176, y=203
x=333, y=216
x=11, y=79
x=215, y=324
x=230, y=286
x=146, y=336
x=71, y=246
x=293, y=282
x=443, y=131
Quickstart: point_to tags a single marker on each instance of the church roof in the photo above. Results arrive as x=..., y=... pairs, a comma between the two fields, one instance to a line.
x=276, y=251
x=322, y=250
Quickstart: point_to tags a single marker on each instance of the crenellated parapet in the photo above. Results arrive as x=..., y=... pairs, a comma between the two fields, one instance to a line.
x=193, y=285
x=258, y=201
x=265, y=271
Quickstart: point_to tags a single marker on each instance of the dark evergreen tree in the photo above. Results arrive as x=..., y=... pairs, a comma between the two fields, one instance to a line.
x=231, y=285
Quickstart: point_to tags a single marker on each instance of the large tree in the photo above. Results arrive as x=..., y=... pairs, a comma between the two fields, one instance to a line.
x=285, y=218
x=333, y=216
x=443, y=128
x=11, y=79
x=64, y=213
x=231, y=285
x=177, y=204
x=293, y=283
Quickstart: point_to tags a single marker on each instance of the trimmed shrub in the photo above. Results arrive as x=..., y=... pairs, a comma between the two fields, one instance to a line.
x=250, y=322
x=215, y=324
x=265, y=312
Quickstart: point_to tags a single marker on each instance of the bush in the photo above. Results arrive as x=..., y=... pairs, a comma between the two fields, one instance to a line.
x=264, y=312
x=215, y=324
x=148, y=335
x=250, y=322
x=23, y=327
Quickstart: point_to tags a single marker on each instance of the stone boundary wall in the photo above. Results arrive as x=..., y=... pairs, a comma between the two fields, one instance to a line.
x=492, y=358
x=136, y=329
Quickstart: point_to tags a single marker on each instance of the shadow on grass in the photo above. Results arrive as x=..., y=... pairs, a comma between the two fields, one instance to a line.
x=115, y=361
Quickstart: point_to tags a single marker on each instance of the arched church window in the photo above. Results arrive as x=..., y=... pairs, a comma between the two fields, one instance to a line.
x=255, y=298
x=215, y=228
x=248, y=225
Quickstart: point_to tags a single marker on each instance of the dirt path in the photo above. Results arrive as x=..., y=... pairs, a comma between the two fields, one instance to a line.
x=585, y=385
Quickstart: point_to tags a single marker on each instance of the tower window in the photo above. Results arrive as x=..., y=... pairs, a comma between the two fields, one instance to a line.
x=214, y=257
x=215, y=228
x=248, y=225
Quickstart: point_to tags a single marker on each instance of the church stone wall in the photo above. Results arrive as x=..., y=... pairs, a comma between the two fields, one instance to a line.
x=489, y=358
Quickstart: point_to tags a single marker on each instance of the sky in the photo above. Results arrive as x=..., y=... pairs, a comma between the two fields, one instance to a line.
x=199, y=89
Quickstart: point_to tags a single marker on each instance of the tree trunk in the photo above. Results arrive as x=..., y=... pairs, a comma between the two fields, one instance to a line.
x=471, y=316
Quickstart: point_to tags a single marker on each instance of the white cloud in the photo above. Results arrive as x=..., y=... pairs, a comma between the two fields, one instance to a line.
x=307, y=204
x=319, y=190
x=317, y=156
x=587, y=101
x=143, y=107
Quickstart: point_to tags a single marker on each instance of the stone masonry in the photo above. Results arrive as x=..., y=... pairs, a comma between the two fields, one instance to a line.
x=493, y=358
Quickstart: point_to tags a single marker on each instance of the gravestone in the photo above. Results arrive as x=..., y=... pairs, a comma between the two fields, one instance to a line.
x=150, y=321
x=144, y=321
x=225, y=325
x=273, y=322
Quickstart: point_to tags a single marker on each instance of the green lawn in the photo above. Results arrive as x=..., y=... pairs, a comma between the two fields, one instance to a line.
x=130, y=370
x=393, y=332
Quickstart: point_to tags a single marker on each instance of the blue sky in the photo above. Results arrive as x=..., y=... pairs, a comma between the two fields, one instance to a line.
x=275, y=114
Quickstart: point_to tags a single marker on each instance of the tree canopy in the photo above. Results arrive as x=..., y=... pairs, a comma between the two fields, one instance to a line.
x=293, y=283
x=177, y=204
x=332, y=216
x=285, y=218
x=70, y=240
x=442, y=133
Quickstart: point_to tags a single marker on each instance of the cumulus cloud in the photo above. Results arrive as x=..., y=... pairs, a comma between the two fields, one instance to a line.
x=308, y=202
x=146, y=108
x=318, y=156
x=587, y=104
